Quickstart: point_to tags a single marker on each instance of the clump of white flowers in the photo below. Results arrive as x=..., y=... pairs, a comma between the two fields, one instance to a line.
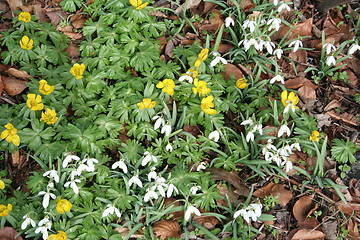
x=253, y=212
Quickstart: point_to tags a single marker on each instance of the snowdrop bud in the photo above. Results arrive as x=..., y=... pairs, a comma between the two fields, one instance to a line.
x=353, y=49
x=297, y=43
x=284, y=129
x=169, y=148
x=278, y=53
x=330, y=61
x=277, y=78
x=190, y=210
x=229, y=21
x=214, y=135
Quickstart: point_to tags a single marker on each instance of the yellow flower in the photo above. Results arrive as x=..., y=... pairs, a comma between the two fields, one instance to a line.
x=2, y=184
x=241, y=83
x=49, y=116
x=167, y=86
x=34, y=102
x=24, y=16
x=289, y=101
x=203, y=55
x=78, y=70
x=146, y=103
x=63, y=206
x=10, y=134
x=197, y=64
x=207, y=104
x=4, y=210
x=201, y=87
x=138, y=4
x=60, y=236
x=315, y=136
x=26, y=43
x=45, y=88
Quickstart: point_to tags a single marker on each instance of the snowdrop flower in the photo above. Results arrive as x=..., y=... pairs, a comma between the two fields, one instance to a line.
x=28, y=221
x=297, y=43
x=152, y=174
x=250, y=136
x=252, y=211
x=229, y=21
x=249, y=24
x=277, y=78
x=329, y=48
x=269, y=146
x=259, y=128
x=201, y=166
x=296, y=146
x=52, y=174
x=111, y=209
x=274, y=24
x=148, y=158
x=186, y=77
x=46, y=198
x=166, y=129
x=278, y=53
x=194, y=189
x=276, y=2
x=269, y=46
x=120, y=164
x=288, y=165
x=44, y=226
x=81, y=168
x=214, y=135
x=330, y=60
x=247, y=122
x=171, y=189
x=190, y=210
x=353, y=49
x=69, y=159
x=160, y=184
x=135, y=179
x=159, y=122
x=283, y=6
x=169, y=148
x=217, y=59
x=90, y=163
x=73, y=185
x=284, y=129
x=150, y=193
x=251, y=42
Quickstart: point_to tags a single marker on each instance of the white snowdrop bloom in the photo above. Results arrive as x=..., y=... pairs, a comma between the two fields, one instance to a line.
x=28, y=221
x=90, y=163
x=46, y=198
x=259, y=128
x=214, y=135
x=250, y=136
x=277, y=78
x=269, y=147
x=249, y=24
x=152, y=174
x=251, y=42
x=186, y=77
x=110, y=210
x=252, y=211
x=135, y=179
x=330, y=60
x=288, y=165
x=120, y=164
x=329, y=48
x=201, y=166
x=159, y=122
x=296, y=146
x=247, y=122
x=150, y=193
x=216, y=60
x=166, y=129
x=353, y=49
x=169, y=148
x=278, y=53
x=274, y=23
x=52, y=174
x=160, y=187
x=269, y=156
x=68, y=159
x=276, y=2
x=73, y=174
x=194, y=189
x=229, y=21
x=82, y=167
x=171, y=188
x=283, y=6
x=148, y=158
x=269, y=46
x=297, y=43
x=73, y=185
x=284, y=129
x=43, y=227
x=190, y=210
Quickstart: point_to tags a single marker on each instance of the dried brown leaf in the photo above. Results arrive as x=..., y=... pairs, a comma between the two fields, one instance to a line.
x=224, y=191
x=18, y=73
x=1, y=86
x=208, y=222
x=13, y=86
x=295, y=83
x=303, y=234
x=348, y=208
x=14, y=5
x=165, y=229
x=264, y=191
x=72, y=50
x=306, y=92
x=353, y=229
x=299, y=56
x=302, y=29
x=40, y=13
x=191, y=4
x=231, y=177
x=284, y=195
x=345, y=117
x=170, y=45
x=333, y=104
x=309, y=223
x=124, y=231
x=303, y=207
x=8, y=233
x=78, y=20
x=56, y=16
x=232, y=71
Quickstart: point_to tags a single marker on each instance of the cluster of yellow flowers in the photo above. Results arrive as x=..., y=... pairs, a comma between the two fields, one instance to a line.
x=4, y=210
x=60, y=236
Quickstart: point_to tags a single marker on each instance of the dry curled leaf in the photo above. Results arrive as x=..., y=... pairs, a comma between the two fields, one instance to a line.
x=165, y=229
x=231, y=177
x=8, y=233
x=13, y=86
x=208, y=222
x=303, y=234
x=284, y=195
x=304, y=207
x=18, y=73
x=232, y=71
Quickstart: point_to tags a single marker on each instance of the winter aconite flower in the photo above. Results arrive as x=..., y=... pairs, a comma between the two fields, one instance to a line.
x=241, y=83
x=2, y=184
x=200, y=87
x=4, y=210
x=26, y=43
x=203, y=55
x=289, y=101
x=49, y=116
x=60, y=236
x=207, y=105
x=34, y=102
x=146, y=103
x=63, y=206
x=24, y=16
x=10, y=134
x=45, y=88
x=315, y=136
x=167, y=86
x=77, y=70
x=138, y=4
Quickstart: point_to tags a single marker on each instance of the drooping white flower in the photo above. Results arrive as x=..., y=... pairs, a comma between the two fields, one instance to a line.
x=152, y=174
x=190, y=210
x=171, y=188
x=201, y=166
x=329, y=48
x=296, y=146
x=269, y=46
x=46, y=197
x=194, y=189
x=251, y=42
x=274, y=24
x=284, y=129
x=353, y=49
x=169, y=148
x=296, y=43
x=166, y=129
x=90, y=163
x=252, y=211
x=43, y=227
x=110, y=210
x=135, y=179
x=159, y=122
x=330, y=60
x=81, y=168
x=276, y=2
x=269, y=147
x=160, y=184
x=52, y=174
x=250, y=136
x=278, y=53
x=229, y=21
x=28, y=221
x=148, y=158
x=288, y=165
x=120, y=164
x=217, y=59
x=247, y=122
x=259, y=128
x=150, y=193
x=249, y=24
x=68, y=159
x=214, y=135
x=186, y=77
x=283, y=6
x=73, y=185
x=277, y=78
